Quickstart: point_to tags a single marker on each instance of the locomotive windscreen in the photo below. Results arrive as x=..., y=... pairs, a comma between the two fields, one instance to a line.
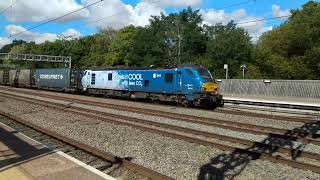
x=205, y=74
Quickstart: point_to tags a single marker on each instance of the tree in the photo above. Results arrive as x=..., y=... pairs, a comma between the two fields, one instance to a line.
x=7, y=48
x=227, y=44
x=121, y=47
x=96, y=48
x=168, y=40
x=291, y=51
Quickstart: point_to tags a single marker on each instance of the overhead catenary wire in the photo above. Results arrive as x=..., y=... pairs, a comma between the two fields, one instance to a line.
x=118, y=13
x=115, y=14
x=234, y=5
x=7, y=8
x=154, y=2
x=147, y=4
x=54, y=19
x=262, y=19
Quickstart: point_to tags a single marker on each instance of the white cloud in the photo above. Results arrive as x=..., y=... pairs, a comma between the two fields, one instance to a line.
x=29, y=36
x=255, y=29
x=36, y=37
x=118, y=14
x=4, y=41
x=141, y=13
x=277, y=12
x=71, y=34
x=41, y=10
x=175, y=3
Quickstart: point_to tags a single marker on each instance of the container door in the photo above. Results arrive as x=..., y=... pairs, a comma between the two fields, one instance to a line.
x=16, y=78
x=6, y=77
x=32, y=77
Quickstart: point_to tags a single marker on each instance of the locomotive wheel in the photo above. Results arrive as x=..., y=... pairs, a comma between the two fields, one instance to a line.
x=185, y=103
x=221, y=103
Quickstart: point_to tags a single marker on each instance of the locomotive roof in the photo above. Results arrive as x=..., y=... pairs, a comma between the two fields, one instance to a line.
x=144, y=68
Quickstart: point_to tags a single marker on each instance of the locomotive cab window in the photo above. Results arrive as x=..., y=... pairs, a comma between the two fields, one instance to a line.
x=190, y=73
x=109, y=76
x=168, y=77
x=93, y=79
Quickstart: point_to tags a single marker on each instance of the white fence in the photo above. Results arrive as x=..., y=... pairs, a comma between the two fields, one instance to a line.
x=287, y=88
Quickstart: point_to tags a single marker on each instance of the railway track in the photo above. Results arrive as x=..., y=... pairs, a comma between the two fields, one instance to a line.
x=91, y=150
x=235, y=126
x=276, y=105
x=170, y=114
x=252, y=148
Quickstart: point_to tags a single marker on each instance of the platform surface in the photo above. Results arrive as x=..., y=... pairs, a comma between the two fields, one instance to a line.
x=276, y=99
x=22, y=158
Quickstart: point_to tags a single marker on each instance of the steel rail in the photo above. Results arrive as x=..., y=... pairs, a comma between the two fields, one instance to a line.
x=268, y=157
x=96, y=152
x=136, y=109
x=183, y=129
x=236, y=126
x=270, y=104
x=274, y=117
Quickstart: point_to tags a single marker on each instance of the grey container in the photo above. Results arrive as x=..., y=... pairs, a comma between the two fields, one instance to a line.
x=12, y=77
x=1, y=77
x=52, y=78
x=24, y=78
x=20, y=78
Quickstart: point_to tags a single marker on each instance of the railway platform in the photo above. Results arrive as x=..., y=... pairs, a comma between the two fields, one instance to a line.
x=275, y=101
x=26, y=159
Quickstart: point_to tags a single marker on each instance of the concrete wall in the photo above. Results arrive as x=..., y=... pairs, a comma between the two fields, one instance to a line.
x=287, y=88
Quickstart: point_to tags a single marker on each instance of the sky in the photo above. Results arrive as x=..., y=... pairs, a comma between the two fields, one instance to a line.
x=18, y=16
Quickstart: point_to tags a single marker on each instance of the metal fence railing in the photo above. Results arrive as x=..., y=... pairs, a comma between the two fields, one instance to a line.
x=288, y=88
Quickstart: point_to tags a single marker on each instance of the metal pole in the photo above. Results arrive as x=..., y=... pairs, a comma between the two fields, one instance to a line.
x=227, y=73
x=243, y=72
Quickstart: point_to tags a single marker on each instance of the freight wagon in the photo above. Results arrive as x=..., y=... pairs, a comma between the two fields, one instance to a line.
x=62, y=79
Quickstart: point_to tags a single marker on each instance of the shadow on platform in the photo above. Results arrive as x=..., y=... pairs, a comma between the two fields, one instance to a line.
x=228, y=166
x=14, y=150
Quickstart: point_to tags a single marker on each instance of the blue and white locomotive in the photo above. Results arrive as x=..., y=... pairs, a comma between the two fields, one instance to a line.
x=186, y=85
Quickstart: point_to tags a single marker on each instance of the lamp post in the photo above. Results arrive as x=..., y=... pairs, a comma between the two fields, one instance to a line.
x=225, y=66
x=244, y=67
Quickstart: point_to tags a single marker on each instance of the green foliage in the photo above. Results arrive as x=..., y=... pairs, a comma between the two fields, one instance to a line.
x=7, y=48
x=290, y=51
x=227, y=45
x=121, y=46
